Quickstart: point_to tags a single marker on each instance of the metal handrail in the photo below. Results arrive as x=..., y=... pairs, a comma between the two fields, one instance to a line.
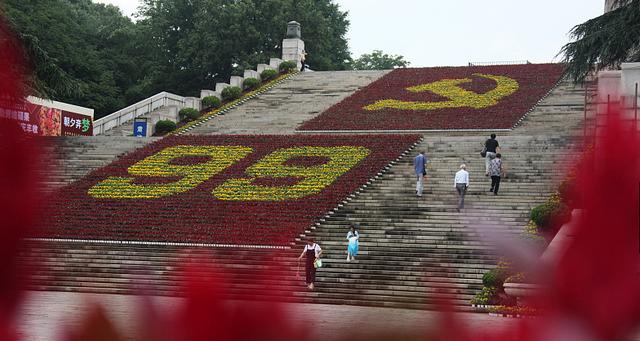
x=163, y=99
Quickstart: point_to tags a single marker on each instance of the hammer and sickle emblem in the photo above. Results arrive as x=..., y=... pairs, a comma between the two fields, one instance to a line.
x=458, y=97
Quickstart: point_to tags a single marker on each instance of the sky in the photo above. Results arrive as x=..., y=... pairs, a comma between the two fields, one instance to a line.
x=456, y=32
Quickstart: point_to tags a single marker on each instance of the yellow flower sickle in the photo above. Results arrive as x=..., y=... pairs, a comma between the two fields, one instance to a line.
x=458, y=97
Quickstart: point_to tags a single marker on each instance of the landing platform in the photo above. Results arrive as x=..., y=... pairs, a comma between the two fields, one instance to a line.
x=45, y=315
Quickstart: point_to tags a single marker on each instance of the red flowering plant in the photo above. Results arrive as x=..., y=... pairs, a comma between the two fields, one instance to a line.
x=242, y=190
x=478, y=97
x=19, y=179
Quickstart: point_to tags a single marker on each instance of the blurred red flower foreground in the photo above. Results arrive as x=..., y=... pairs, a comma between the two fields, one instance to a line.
x=249, y=190
x=479, y=97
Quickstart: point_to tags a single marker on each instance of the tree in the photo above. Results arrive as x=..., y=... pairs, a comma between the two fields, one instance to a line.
x=324, y=29
x=377, y=60
x=200, y=42
x=90, y=54
x=82, y=52
x=605, y=41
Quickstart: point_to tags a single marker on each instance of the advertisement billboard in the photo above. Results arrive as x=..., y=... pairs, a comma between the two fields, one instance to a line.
x=49, y=118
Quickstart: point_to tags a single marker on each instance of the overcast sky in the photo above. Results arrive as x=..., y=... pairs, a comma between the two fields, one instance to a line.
x=455, y=32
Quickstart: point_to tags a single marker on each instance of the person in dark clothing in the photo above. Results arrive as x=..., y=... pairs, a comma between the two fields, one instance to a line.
x=313, y=252
x=495, y=170
x=492, y=147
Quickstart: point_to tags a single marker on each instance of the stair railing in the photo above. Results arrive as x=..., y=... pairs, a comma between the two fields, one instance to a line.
x=163, y=99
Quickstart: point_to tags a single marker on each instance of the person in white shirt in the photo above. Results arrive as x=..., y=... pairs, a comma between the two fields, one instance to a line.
x=313, y=252
x=352, y=248
x=461, y=183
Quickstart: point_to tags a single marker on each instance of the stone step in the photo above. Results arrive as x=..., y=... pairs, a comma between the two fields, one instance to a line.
x=412, y=249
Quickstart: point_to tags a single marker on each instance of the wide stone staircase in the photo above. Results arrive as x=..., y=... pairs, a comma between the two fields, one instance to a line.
x=413, y=250
x=70, y=158
x=283, y=108
x=416, y=249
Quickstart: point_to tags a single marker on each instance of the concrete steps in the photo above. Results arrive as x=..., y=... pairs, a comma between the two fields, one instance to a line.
x=68, y=159
x=412, y=251
x=282, y=109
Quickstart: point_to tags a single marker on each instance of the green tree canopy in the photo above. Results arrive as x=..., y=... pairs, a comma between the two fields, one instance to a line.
x=91, y=55
x=199, y=42
x=605, y=41
x=377, y=60
x=82, y=52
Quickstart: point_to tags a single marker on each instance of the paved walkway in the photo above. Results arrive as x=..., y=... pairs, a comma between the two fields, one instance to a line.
x=45, y=315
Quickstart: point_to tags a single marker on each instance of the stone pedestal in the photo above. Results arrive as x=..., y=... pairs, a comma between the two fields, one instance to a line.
x=609, y=85
x=275, y=63
x=292, y=50
x=221, y=86
x=251, y=74
x=193, y=102
x=630, y=78
x=170, y=113
x=206, y=93
x=262, y=67
x=236, y=81
x=629, y=83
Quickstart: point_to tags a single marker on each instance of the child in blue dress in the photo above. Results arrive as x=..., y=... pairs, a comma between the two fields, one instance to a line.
x=352, y=249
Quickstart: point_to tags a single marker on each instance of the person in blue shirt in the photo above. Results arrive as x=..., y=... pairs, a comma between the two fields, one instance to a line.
x=420, y=167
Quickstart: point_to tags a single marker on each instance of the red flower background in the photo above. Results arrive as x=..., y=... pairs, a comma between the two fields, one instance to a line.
x=196, y=215
x=535, y=81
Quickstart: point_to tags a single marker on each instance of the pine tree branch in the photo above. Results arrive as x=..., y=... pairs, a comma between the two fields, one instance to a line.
x=604, y=42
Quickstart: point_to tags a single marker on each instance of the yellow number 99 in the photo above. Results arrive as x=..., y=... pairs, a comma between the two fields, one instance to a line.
x=314, y=178
x=159, y=165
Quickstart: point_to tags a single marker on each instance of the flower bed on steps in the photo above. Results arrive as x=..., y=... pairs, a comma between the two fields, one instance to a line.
x=479, y=97
x=229, y=189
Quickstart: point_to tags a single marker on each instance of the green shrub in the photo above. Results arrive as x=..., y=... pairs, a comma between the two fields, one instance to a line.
x=268, y=74
x=495, y=278
x=165, y=126
x=544, y=214
x=211, y=102
x=539, y=214
x=287, y=66
x=188, y=114
x=532, y=237
x=488, y=295
x=231, y=92
x=251, y=83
